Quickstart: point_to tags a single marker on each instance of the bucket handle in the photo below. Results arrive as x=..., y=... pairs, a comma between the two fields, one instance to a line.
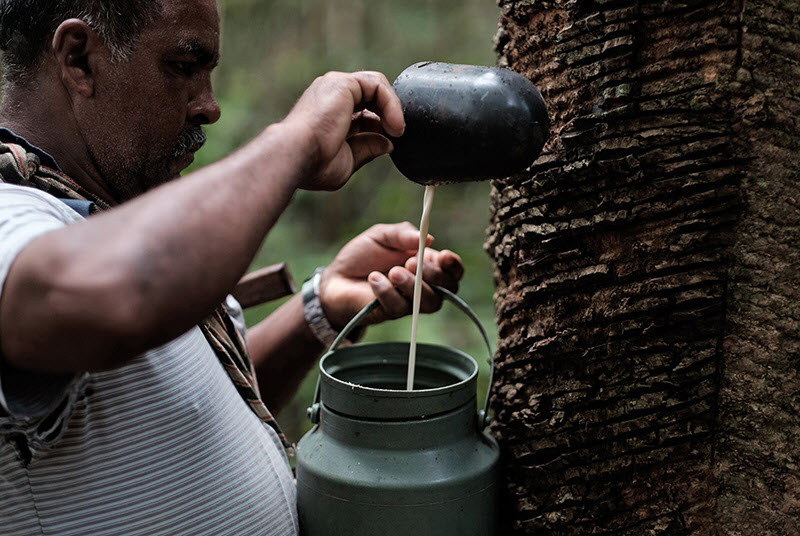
x=483, y=415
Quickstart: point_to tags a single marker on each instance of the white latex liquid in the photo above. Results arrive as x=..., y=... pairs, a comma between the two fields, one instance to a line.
x=427, y=203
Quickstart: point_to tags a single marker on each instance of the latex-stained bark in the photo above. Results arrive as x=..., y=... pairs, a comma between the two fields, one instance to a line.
x=648, y=271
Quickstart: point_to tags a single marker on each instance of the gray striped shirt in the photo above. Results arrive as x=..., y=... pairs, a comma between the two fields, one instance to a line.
x=163, y=445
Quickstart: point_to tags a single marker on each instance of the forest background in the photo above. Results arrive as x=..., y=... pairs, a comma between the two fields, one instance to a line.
x=271, y=51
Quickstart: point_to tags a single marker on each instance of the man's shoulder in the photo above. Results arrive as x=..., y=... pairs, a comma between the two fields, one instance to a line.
x=26, y=213
x=21, y=201
x=19, y=164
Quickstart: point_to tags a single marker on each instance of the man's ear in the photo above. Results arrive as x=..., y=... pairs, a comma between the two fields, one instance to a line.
x=77, y=50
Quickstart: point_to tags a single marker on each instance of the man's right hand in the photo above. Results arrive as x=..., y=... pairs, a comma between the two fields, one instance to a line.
x=94, y=295
x=343, y=120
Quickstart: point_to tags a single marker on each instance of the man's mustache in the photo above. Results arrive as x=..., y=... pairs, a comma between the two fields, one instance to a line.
x=190, y=140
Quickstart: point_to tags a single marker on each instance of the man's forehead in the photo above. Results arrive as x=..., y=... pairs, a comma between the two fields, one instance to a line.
x=192, y=9
x=192, y=24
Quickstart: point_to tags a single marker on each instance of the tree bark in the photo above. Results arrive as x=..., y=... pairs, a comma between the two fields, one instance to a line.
x=648, y=271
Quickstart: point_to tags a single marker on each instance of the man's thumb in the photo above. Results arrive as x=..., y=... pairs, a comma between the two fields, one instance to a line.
x=368, y=146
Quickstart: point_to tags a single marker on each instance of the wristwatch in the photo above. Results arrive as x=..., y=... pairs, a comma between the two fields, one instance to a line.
x=315, y=314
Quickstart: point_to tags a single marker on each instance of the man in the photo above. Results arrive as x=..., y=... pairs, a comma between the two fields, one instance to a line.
x=127, y=399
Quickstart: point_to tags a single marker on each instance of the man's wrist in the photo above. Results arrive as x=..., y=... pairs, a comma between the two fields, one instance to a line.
x=314, y=312
x=282, y=149
x=315, y=315
x=301, y=143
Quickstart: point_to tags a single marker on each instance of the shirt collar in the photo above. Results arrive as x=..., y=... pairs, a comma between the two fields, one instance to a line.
x=8, y=136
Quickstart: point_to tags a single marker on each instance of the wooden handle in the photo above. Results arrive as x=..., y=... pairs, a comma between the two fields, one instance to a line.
x=264, y=285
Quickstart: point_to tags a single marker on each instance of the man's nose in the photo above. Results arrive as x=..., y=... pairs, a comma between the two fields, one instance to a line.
x=204, y=108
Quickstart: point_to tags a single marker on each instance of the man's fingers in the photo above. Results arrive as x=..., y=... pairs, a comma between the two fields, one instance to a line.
x=368, y=146
x=392, y=302
x=365, y=121
x=440, y=268
x=433, y=275
x=333, y=112
x=451, y=263
x=375, y=87
x=403, y=280
x=400, y=236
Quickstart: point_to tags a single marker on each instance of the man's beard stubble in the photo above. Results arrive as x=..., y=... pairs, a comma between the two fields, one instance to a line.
x=129, y=177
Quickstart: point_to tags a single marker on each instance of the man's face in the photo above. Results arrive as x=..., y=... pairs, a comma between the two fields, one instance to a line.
x=145, y=122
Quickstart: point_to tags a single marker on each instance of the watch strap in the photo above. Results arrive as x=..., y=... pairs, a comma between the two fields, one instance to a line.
x=313, y=311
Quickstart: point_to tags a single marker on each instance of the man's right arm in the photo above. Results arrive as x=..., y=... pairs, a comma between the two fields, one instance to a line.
x=95, y=294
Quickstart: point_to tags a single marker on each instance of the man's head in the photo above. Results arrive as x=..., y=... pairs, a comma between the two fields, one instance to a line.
x=131, y=77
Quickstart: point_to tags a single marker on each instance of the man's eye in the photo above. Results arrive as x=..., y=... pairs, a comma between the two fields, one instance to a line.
x=183, y=68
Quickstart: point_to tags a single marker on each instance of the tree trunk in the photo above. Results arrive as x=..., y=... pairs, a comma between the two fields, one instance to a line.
x=648, y=271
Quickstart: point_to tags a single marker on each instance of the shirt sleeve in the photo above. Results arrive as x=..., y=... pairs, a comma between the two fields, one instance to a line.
x=26, y=214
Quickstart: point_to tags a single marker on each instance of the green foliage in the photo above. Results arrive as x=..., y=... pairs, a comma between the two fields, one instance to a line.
x=270, y=52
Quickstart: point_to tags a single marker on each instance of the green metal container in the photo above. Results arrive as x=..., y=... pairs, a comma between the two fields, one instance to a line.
x=382, y=460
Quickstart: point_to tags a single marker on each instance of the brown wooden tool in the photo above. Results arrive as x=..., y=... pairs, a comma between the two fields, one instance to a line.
x=264, y=285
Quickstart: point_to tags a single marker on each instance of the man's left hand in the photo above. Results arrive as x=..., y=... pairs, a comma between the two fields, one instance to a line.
x=381, y=263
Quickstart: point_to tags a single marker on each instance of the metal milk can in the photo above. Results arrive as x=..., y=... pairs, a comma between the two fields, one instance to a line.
x=384, y=460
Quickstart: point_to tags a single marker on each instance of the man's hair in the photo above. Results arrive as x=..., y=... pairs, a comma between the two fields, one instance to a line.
x=27, y=28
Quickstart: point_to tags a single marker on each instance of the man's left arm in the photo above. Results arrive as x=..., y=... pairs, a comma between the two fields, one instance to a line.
x=379, y=263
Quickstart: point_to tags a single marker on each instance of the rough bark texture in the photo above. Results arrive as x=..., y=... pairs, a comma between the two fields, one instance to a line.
x=648, y=271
